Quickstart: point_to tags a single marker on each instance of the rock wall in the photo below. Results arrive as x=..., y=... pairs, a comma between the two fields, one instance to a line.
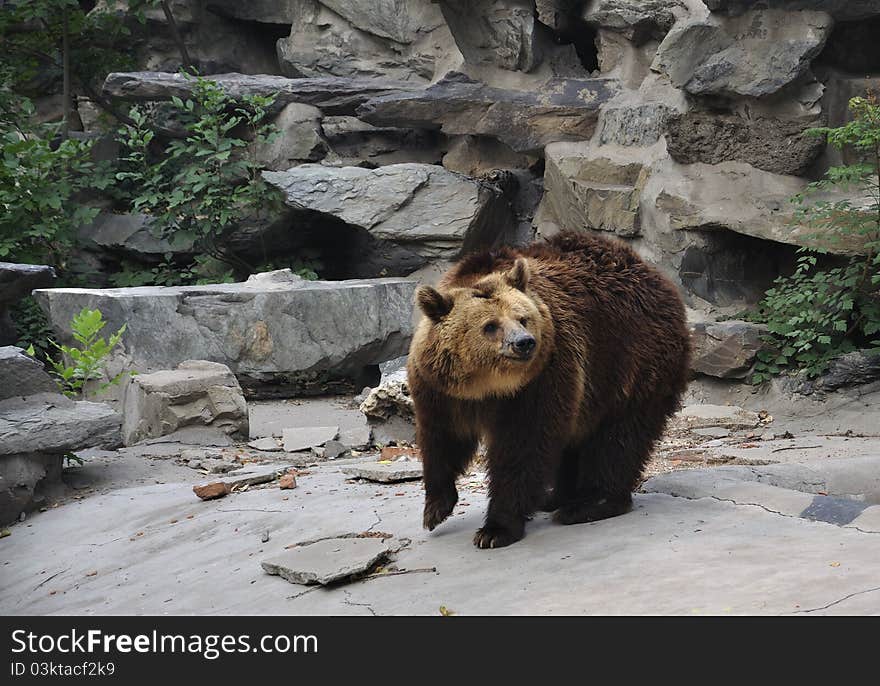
x=435, y=127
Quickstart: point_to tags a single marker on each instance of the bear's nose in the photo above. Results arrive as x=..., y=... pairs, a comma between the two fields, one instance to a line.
x=524, y=345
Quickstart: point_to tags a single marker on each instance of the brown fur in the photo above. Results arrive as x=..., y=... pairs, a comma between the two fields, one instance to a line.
x=581, y=415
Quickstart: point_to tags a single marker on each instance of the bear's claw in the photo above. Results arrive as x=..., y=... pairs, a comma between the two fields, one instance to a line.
x=437, y=509
x=495, y=537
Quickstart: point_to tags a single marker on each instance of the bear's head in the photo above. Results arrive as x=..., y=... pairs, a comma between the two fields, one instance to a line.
x=489, y=338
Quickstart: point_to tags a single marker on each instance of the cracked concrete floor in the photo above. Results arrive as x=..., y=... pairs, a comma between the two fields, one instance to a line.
x=702, y=542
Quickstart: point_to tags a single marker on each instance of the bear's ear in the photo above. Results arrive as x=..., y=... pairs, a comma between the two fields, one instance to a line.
x=433, y=303
x=519, y=274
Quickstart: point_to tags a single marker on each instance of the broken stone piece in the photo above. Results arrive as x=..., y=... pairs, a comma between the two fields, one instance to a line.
x=268, y=444
x=211, y=491
x=287, y=481
x=386, y=472
x=304, y=438
x=334, y=449
x=328, y=561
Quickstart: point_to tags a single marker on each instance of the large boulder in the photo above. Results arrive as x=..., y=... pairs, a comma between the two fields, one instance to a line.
x=638, y=20
x=635, y=122
x=426, y=208
x=274, y=328
x=130, y=234
x=398, y=39
x=559, y=110
x=197, y=393
x=585, y=191
x=355, y=143
x=332, y=94
x=38, y=426
x=726, y=349
x=737, y=197
x=754, y=54
x=16, y=282
x=501, y=33
x=299, y=138
x=22, y=375
x=781, y=146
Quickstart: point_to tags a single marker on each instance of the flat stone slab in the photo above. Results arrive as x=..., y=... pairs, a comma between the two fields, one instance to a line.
x=273, y=324
x=334, y=95
x=303, y=438
x=423, y=207
x=386, y=472
x=559, y=110
x=267, y=444
x=328, y=561
x=51, y=424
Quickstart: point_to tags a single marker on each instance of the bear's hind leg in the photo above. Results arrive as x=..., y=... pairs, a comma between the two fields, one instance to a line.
x=610, y=465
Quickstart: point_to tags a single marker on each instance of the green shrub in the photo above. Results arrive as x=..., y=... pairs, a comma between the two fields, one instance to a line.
x=79, y=365
x=202, y=186
x=824, y=309
x=39, y=184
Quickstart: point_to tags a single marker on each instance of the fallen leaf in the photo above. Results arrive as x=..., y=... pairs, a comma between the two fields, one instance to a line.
x=445, y=611
x=835, y=564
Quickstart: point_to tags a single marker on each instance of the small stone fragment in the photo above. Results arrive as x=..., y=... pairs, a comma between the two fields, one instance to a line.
x=334, y=449
x=287, y=481
x=267, y=444
x=211, y=491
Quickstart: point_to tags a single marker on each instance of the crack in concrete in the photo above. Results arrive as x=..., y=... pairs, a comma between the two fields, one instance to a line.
x=377, y=522
x=770, y=511
x=302, y=593
x=257, y=510
x=348, y=601
x=735, y=502
x=838, y=601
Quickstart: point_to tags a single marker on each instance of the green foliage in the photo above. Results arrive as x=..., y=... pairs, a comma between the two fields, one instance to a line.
x=201, y=187
x=33, y=31
x=39, y=182
x=824, y=310
x=79, y=365
x=202, y=270
x=33, y=326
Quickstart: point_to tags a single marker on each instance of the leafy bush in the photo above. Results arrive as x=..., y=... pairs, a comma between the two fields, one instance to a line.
x=33, y=326
x=79, y=365
x=39, y=182
x=202, y=186
x=824, y=309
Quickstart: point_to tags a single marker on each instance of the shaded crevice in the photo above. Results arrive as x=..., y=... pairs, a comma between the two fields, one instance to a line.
x=582, y=37
x=853, y=47
x=730, y=268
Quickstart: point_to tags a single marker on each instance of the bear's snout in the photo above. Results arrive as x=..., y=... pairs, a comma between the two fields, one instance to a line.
x=522, y=345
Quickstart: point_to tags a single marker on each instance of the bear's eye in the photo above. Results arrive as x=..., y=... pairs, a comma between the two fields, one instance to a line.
x=491, y=328
x=524, y=321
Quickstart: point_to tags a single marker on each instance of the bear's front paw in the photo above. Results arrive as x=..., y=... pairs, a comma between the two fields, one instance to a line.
x=438, y=508
x=494, y=536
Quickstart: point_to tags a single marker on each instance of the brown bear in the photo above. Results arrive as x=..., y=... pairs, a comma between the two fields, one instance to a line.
x=566, y=358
